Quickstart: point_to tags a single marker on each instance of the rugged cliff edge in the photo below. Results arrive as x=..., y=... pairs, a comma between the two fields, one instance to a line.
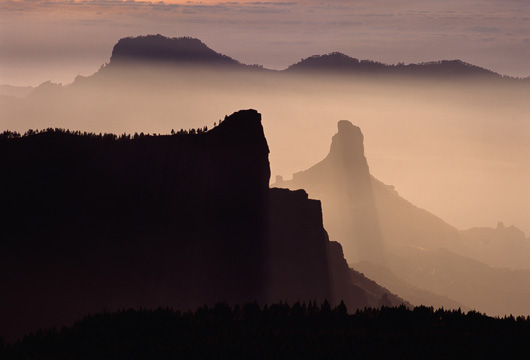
x=410, y=251
x=99, y=222
x=362, y=213
x=95, y=222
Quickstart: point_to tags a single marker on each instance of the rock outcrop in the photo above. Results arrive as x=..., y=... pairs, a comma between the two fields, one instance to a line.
x=305, y=264
x=360, y=212
x=407, y=249
x=99, y=222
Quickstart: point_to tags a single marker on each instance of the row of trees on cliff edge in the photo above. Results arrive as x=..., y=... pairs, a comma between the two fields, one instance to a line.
x=278, y=330
x=7, y=134
x=176, y=221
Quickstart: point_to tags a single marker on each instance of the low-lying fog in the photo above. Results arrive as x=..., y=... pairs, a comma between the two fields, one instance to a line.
x=459, y=149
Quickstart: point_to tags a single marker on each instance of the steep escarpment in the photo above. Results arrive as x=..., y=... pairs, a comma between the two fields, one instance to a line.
x=95, y=222
x=100, y=222
x=304, y=263
x=363, y=214
x=410, y=251
x=298, y=248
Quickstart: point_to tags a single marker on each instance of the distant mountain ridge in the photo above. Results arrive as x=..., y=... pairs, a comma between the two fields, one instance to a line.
x=341, y=63
x=187, y=50
x=15, y=91
x=158, y=48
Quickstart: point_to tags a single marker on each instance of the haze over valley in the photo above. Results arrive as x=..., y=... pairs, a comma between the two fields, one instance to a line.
x=453, y=143
x=340, y=180
x=279, y=179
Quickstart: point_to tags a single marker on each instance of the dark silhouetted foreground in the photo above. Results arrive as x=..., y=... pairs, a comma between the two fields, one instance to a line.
x=279, y=331
x=93, y=223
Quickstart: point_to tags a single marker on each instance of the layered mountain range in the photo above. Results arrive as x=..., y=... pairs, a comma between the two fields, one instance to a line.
x=96, y=223
x=187, y=51
x=127, y=199
x=407, y=249
x=190, y=51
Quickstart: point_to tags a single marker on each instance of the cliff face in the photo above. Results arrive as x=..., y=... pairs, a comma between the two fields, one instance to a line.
x=363, y=214
x=298, y=248
x=407, y=249
x=344, y=184
x=95, y=222
x=305, y=264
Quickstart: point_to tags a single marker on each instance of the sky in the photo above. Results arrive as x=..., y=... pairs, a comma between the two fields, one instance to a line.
x=56, y=40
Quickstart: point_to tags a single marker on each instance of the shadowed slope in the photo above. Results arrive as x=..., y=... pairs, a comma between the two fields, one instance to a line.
x=360, y=212
x=397, y=244
x=99, y=222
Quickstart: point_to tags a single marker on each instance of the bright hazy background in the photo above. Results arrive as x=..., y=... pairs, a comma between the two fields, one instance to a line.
x=56, y=40
x=461, y=153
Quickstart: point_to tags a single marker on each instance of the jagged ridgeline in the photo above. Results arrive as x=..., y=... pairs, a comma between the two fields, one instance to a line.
x=99, y=222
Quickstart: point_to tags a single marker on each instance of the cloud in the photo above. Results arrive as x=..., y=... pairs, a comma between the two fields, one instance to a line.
x=483, y=29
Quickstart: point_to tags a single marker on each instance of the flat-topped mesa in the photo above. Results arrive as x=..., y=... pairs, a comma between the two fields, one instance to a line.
x=174, y=220
x=158, y=48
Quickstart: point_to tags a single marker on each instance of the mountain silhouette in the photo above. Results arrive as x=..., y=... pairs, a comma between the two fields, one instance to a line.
x=361, y=207
x=95, y=222
x=176, y=72
x=503, y=246
x=15, y=91
x=183, y=52
x=340, y=63
x=400, y=246
x=191, y=51
x=158, y=48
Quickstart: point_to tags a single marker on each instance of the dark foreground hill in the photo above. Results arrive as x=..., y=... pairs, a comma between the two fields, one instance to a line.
x=100, y=222
x=280, y=331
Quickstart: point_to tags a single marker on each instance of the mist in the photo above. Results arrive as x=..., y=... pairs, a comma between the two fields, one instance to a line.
x=458, y=148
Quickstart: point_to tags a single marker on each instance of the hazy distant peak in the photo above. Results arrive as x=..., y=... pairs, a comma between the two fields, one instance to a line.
x=158, y=48
x=448, y=67
x=15, y=91
x=339, y=62
x=331, y=61
x=333, y=56
x=346, y=127
x=348, y=143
